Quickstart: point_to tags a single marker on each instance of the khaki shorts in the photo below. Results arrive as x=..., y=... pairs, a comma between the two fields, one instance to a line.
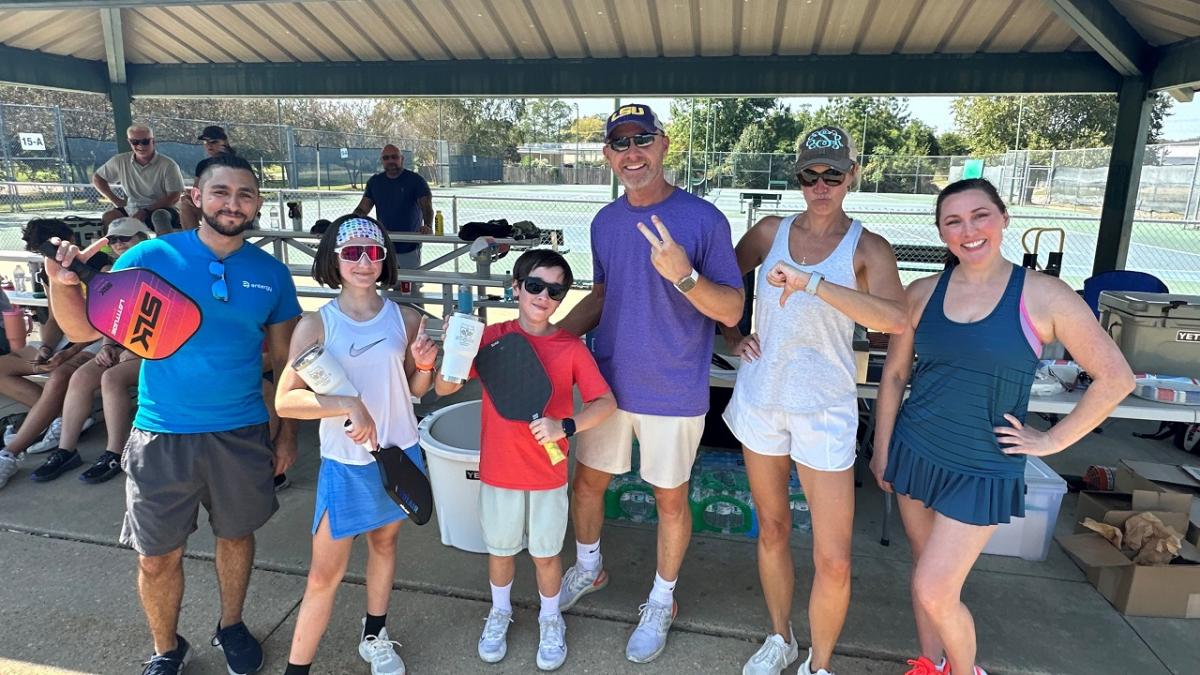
x=170, y=475
x=667, y=446
x=514, y=520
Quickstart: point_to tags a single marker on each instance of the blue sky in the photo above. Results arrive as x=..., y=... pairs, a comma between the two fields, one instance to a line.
x=1183, y=123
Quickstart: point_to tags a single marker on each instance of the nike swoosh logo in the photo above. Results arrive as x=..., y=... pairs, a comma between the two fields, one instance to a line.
x=358, y=352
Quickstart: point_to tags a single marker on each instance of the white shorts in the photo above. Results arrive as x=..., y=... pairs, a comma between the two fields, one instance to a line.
x=667, y=445
x=514, y=520
x=824, y=440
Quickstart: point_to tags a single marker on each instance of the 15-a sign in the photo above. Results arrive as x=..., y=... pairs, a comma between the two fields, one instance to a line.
x=32, y=141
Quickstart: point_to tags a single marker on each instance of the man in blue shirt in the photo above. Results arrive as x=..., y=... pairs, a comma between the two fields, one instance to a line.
x=201, y=434
x=402, y=203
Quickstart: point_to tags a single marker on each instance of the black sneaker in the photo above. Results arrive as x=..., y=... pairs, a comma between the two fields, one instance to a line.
x=59, y=462
x=172, y=662
x=105, y=468
x=243, y=653
x=281, y=482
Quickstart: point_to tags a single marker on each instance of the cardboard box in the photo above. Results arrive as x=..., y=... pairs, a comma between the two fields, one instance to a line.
x=1137, y=590
x=1133, y=475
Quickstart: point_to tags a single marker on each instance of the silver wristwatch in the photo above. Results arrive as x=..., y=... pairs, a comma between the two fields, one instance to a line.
x=689, y=282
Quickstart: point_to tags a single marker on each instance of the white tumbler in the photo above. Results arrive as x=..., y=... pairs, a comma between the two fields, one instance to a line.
x=463, y=334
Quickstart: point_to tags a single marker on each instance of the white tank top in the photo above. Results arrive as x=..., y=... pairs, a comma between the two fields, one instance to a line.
x=807, y=361
x=372, y=352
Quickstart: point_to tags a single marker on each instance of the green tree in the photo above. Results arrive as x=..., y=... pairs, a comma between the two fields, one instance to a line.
x=1046, y=122
x=545, y=120
x=952, y=143
x=588, y=129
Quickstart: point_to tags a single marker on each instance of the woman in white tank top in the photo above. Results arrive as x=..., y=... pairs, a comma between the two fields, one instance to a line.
x=369, y=336
x=795, y=399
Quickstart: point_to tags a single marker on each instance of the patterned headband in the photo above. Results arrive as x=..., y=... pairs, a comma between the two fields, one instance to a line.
x=358, y=227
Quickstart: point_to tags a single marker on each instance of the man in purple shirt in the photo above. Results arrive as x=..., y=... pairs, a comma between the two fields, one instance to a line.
x=670, y=258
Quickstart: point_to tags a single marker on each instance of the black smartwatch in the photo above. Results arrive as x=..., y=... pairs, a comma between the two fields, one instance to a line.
x=568, y=426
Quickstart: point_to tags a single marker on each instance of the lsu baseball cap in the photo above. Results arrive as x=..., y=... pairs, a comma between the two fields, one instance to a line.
x=634, y=113
x=827, y=145
x=212, y=133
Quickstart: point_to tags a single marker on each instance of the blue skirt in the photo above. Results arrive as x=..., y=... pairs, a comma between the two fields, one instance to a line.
x=967, y=498
x=354, y=498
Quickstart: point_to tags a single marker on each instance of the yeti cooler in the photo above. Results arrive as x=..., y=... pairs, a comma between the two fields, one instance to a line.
x=1159, y=333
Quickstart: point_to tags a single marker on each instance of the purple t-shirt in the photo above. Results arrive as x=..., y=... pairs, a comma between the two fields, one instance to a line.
x=652, y=345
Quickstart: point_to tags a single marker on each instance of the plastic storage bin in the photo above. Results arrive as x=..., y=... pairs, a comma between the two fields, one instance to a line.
x=450, y=438
x=1029, y=537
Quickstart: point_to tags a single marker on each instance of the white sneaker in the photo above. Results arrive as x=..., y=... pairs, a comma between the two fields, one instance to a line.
x=8, y=467
x=493, y=644
x=54, y=435
x=578, y=582
x=805, y=670
x=774, y=656
x=649, y=639
x=552, y=642
x=380, y=652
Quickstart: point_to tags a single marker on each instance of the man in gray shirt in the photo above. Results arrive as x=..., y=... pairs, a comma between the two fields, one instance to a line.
x=151, y=181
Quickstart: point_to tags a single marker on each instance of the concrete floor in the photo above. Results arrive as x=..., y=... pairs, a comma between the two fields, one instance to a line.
x=69, y=601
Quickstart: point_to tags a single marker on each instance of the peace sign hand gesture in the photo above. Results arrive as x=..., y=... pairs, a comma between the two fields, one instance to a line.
x=668, y=257
x=424, y=350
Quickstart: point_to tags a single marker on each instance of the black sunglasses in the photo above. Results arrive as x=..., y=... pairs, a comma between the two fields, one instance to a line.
x=535, y=286
x=141, y=141
x=831, y=177
x=120, y=238
x=389, y=157
x=640, y=140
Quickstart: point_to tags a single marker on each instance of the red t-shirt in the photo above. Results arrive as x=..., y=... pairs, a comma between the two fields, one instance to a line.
x=509, y=456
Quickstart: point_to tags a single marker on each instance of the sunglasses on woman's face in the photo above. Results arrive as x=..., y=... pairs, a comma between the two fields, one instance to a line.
x=535, y=286
x=353, y=253
x=831, y=177
x=640, y=140
x=120, y=238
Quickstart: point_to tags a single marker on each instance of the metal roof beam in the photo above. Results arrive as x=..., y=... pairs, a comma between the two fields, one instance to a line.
x=101, y=4
x=1178, y=66
x=1025, y=73
x=38, y=69
x=1107, y=32
x=114, y=43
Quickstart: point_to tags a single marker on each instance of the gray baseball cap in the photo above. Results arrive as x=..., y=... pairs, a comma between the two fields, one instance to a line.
x=827, y=145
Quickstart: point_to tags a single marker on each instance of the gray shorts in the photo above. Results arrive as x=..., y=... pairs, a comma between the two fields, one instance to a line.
x=514, y=520
x=170, y=475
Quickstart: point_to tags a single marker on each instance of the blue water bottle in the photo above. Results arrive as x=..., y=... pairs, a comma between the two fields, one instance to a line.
x=464, y=299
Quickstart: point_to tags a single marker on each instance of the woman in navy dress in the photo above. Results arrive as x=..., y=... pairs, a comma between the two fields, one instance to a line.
x=954, y=453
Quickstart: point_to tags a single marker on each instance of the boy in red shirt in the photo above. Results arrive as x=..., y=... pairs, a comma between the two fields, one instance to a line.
x=523, y=497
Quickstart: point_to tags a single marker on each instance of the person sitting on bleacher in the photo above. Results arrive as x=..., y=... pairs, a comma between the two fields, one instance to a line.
x=151, y=180
x=216, y=141
x=55, y=356
x=114, y=370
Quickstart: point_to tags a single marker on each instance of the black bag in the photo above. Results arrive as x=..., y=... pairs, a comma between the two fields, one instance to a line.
x=498, y=228
x=405, y=483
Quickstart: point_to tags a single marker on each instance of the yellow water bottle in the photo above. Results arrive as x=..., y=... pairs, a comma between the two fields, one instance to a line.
x=439, y=224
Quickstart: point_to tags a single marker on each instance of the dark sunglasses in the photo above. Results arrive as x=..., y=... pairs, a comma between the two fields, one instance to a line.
x=389, y=157
x=535, y=286
x=352, y=253
x=120, y=238
x=831, y=177
x=220, y=289
x=640, y=140
x=140, y=141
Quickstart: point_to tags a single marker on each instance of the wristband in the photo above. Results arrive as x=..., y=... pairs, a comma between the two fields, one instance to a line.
x=430, y=369
x=814, y=280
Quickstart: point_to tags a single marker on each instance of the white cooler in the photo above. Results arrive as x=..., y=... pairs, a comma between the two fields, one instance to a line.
x=1029, y=537
x=450, y=438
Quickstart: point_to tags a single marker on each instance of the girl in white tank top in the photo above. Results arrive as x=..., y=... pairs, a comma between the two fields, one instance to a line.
x=388, y=358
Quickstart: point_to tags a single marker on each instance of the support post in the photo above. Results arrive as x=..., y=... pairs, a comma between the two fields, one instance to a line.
x=1134, y=103
x=118, y=96
x=613, y=181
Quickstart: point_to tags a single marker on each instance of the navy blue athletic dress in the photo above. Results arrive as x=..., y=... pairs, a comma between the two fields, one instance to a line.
x=967, y=376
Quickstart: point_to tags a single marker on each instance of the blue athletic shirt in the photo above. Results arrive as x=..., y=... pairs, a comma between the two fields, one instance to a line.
x=214, y=381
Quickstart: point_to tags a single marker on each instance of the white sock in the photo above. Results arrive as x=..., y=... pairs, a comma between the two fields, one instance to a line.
x=587, y=556
x=7, y=453
x=500, y=596
x=549, y=605
x=663, y=592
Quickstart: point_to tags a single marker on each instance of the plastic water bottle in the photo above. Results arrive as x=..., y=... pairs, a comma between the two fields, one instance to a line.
x=439, y=224
x=508, y=286
x=465, y=303
x=20, y=279
x=801, y=518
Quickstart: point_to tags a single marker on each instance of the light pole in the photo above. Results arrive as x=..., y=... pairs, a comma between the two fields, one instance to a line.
x=577, y=130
